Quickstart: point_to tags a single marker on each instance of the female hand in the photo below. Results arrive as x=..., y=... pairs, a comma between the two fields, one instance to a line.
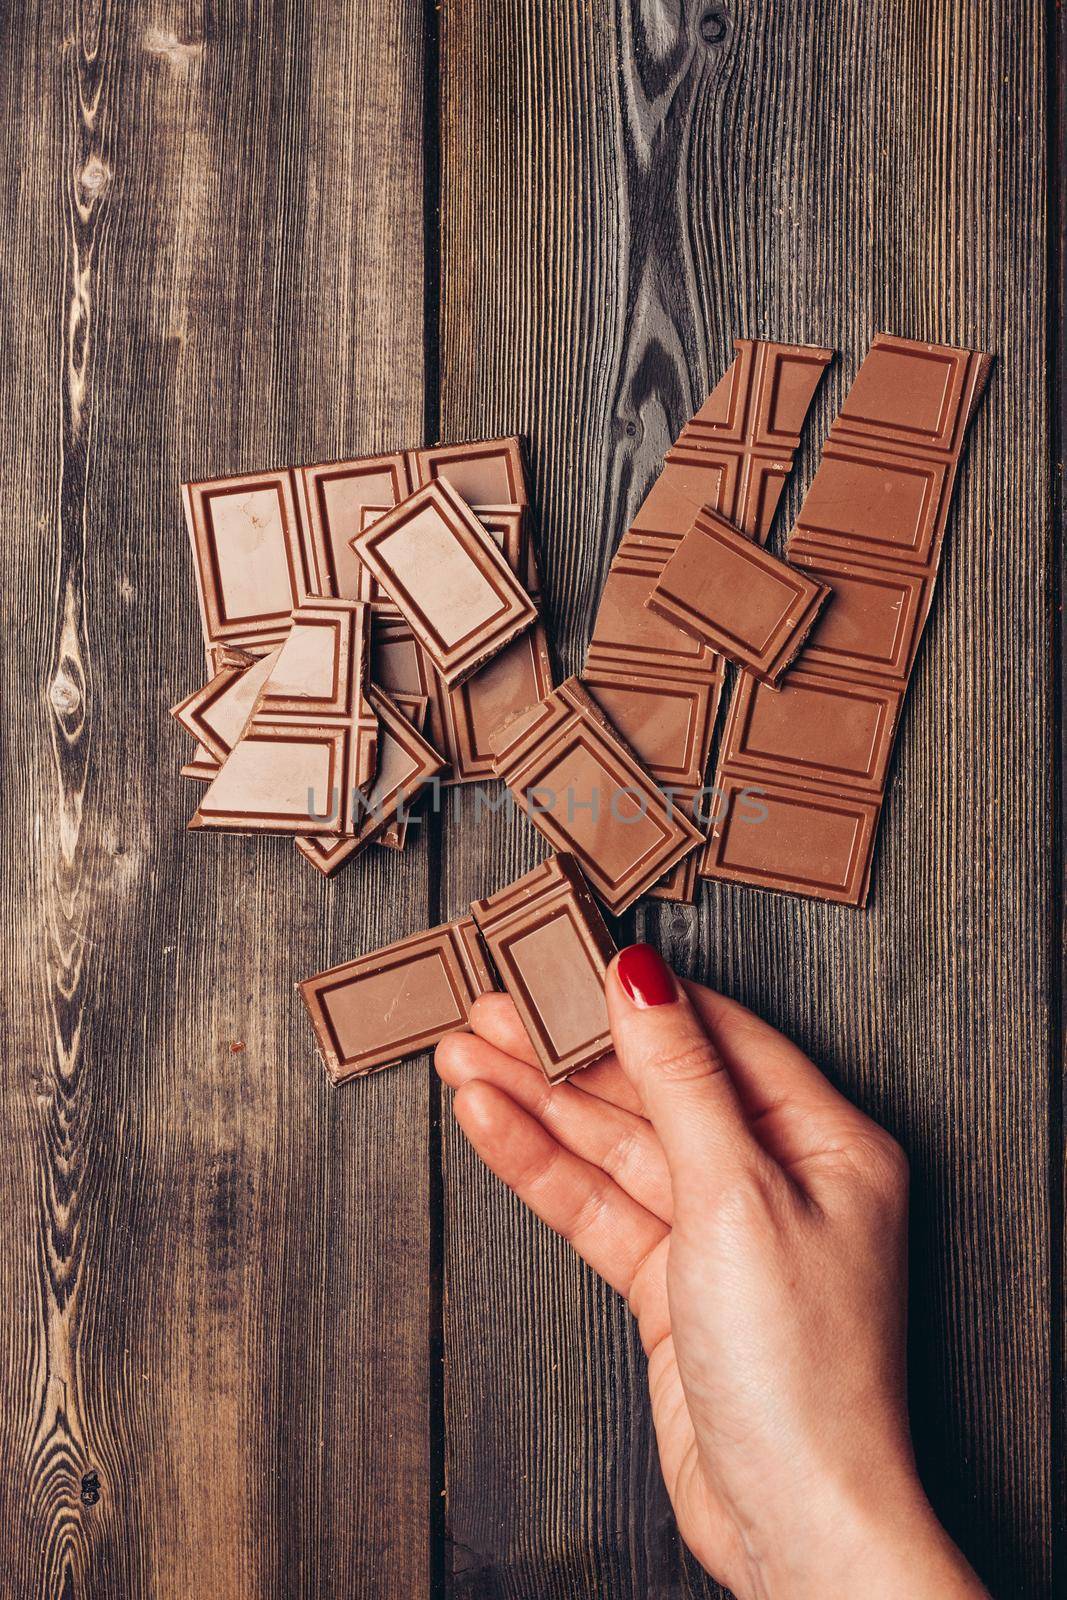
x=756, y=1223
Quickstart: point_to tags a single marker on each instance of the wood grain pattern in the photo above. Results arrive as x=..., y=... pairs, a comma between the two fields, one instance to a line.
x=221, y=1307
x=652, y=180
x=215, y=1265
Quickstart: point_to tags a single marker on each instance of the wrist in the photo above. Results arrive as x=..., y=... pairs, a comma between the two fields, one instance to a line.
x=880, y=1551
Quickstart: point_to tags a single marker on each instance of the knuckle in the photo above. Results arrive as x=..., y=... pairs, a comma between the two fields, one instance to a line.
x=687, y=1063
x=886, y=1165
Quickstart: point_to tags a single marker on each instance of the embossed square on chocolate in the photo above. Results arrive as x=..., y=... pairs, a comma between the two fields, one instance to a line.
x=551, y=948
x=250, y=555
x=582, y=787
x=333, y=497
x=379, y=1009
x=484, y=472
x=448, y=578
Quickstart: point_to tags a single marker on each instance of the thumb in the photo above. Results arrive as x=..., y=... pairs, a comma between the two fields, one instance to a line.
x=666, y=1052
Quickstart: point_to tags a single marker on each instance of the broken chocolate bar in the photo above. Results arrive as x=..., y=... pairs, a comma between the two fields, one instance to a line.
x=310, y=746
x=405, y=763
x=870, y=529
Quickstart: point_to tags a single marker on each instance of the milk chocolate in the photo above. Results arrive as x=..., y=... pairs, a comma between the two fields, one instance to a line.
x=484, y=472
x=405, y=762
x=733, y=456
x=398, y=1001
x=310, y=745
x=333, y=497
x=870, y=529
x=582, y=787
x=551, y=949
x=452, y=584
x=217, y=713
x=250, y=555
x=729, y=592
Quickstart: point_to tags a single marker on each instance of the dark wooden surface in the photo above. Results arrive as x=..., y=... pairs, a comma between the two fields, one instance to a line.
x=263, y=1338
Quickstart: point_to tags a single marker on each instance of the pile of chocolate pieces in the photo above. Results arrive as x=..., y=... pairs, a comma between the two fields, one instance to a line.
x=373, y=626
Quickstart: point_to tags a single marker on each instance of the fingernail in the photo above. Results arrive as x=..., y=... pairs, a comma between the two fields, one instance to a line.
x=645, y=976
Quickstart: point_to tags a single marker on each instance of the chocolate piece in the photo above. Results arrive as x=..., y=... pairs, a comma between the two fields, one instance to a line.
x=334, y=496
x=381, y=1008
x=252, y=564
x=485, y=472
x=795, y=841
x=448, y=578
x=311, y=743
x=549, y=945
x=870, y=529
x=734, y=456
x=405, y=763
x=671, y=717
x=737, y=597
x=217, y=713
x=581, y=786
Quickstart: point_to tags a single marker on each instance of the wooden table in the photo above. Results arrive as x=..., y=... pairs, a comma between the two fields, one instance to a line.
x=266, y=1338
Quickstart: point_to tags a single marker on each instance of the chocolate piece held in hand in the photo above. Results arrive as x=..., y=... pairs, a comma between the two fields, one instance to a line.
x=551, y=949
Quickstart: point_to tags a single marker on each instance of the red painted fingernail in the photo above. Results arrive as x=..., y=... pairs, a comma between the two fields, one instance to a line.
x=646, y=977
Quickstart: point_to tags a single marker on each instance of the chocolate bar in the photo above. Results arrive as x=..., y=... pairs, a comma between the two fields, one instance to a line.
x=405, y=763
x=396, y=1002
x=582, y=787
x=729, y=592
x=311, y=743
x=550, y=947
x=733, y=456
x=870, y=529
x=250, y=556
x=452, y=584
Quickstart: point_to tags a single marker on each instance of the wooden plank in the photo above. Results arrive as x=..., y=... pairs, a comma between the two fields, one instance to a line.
x=216, y=1302
x=623, y=192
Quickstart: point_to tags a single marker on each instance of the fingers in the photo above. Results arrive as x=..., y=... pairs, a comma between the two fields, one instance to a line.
x=622, y=1144
x=675, y=1066
x=605, y=1226
x=494, y=1017
x=791, y=1107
